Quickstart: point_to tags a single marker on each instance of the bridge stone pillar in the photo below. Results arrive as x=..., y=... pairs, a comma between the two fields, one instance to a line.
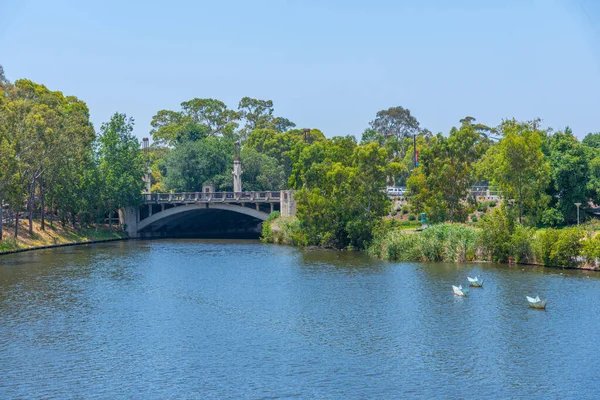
x=128, y=219
x=287, y=203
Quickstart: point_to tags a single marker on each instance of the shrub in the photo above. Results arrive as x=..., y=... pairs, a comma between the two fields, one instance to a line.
x=492, y=203
x=482, y=207
x=405, y=209
x=474, y=218
x=560, y=248
x=273, y=215
x=591, y=249
x=443, y=242
x=495, y=237
x=522, y=244
x=552, y=217
x=412, y=217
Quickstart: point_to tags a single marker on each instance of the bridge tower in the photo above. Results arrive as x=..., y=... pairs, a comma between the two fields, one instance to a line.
x=237, y=170
x=148, y=176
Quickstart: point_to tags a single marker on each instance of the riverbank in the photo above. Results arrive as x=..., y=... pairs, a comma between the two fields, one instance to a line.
x=53, y=236
x=569, y=247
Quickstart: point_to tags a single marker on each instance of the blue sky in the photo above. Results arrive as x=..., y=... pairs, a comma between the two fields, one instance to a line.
x=326, y=64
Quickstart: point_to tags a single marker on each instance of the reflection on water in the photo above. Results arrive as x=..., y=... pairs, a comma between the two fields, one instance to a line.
x=239, y=319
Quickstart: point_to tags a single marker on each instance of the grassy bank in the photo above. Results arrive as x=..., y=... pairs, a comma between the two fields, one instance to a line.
x=567, y=247
x=52, y=236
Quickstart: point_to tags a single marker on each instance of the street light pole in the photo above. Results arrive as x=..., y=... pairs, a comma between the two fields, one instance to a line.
x=577, y=204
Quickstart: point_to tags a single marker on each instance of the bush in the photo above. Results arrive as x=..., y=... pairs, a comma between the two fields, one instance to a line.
x=273, y=215
x=522, y=244
x=443, y=242
x=591, y=250
x=474, y=218
x=552, y=217
x=492, y=203
x=482, y=207
x=405, y=209
x=282, y=230
x=412, y=217
x=495, y=236
x=560, y=248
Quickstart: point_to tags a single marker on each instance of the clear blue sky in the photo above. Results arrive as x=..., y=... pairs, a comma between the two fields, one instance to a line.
x=326, y=64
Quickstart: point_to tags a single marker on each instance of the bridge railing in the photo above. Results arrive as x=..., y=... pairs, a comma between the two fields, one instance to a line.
x=213, y=197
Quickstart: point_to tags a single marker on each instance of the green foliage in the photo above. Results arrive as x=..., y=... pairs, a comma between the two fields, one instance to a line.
x=522, y=244
x=443, y=242
x=261, y=172
x=474, y=218
x=120, y=163
x=592, y=140
x=192, y=164
x=496, y=231
x=569, y=169
x=340, y=192
x=591, y=249
x=446, y=172
x=517, y=165
x=560, y=248
x=395, y=121
x=282, y=230
x=197, y=119
x=412, y=217
x=552, y=217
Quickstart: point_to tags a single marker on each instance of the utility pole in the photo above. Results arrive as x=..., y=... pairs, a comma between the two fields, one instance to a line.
x=415, y=152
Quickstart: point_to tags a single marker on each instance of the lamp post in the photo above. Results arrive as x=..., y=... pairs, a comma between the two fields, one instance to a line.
x=577, y=204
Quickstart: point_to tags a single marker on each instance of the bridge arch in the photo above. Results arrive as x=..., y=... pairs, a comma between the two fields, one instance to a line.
x=181, y=212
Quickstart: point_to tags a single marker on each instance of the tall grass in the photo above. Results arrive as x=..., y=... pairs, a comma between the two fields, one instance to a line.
x=443, y=242
x=568, y=247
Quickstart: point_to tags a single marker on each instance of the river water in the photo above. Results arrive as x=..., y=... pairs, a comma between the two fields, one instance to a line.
x=239, y=319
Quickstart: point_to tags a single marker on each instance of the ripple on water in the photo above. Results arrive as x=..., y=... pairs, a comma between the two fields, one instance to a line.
x=238, y=319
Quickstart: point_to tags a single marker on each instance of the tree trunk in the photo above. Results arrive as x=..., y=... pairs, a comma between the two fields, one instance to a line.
x=1, y=218
x=30, y=206
x=42, y=202
x=110, y=221
x=17, y=224
x=52, y=215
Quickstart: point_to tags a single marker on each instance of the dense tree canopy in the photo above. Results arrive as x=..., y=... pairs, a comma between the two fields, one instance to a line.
x=518, y=166
x=52, y=161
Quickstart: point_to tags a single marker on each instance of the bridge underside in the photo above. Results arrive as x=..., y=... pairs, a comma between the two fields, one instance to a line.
x=205, y=223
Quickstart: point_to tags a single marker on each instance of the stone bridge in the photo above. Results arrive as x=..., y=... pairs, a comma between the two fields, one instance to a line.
x=205, y=214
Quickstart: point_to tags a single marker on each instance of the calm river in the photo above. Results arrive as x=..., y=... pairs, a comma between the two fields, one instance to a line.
x=239, y=319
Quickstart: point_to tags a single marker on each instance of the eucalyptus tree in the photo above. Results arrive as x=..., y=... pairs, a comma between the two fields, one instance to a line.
x=517, y=165
x=121, y=164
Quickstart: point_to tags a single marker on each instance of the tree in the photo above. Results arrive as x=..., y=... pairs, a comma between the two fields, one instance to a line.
x=395, y=121
x=518, y=166
x=340, y=191
x=258, y=114
x=261, y=172
x=2, y=76
x=192, y=164
x=197, y=119
x=121, y=164
x=592, y=140
x=447, y=168
x=569, y=173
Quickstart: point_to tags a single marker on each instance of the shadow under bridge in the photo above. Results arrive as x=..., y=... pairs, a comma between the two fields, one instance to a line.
x=204, y=221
